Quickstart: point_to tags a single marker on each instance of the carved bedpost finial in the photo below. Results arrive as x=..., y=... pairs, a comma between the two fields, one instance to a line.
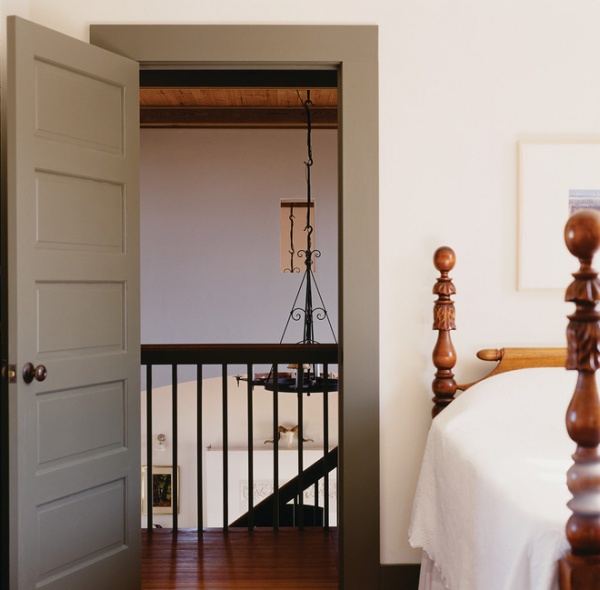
x=444, y=355
x=580, y=568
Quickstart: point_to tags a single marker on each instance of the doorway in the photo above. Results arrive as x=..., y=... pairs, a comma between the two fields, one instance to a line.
x=214, y=168
x=354, y=51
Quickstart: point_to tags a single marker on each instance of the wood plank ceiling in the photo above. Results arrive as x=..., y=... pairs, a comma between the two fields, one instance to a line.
x=237, y=99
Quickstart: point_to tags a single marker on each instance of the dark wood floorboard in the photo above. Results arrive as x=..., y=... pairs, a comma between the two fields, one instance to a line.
x=239, y=559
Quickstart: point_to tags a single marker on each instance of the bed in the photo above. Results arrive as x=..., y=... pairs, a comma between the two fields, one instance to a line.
x=510, y=500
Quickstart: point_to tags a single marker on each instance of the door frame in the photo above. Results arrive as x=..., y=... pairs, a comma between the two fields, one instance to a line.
x=353, y=50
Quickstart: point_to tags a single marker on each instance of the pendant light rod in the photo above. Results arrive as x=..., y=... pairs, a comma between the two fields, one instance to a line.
x=308, y=312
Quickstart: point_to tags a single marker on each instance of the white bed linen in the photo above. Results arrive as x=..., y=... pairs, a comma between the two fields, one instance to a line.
x=490, y=507
x=430, y=577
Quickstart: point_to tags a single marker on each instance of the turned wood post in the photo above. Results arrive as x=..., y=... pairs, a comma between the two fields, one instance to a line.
x=580, y=568
x=444, y=355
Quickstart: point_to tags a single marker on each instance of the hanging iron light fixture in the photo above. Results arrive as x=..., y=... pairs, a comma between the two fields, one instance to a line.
x=308, y=313
x=307, y=377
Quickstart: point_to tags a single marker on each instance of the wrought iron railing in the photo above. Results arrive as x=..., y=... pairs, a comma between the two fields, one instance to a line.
x=249, y=356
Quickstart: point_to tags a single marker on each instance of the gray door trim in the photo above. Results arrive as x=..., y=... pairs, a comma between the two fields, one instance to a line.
x=354, y=51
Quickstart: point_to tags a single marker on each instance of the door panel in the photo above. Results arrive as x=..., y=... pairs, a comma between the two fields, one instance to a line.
x=59, y=87
x=72, y=243
x=96, y=414
x=77, y=213
x=94, y=312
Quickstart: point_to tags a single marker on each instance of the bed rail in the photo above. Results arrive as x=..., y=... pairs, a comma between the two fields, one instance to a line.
x=511, y=359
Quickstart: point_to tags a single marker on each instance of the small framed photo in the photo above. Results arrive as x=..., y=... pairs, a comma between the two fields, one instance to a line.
x=162, y=489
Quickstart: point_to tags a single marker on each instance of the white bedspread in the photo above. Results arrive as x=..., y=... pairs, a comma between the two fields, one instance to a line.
x=490, y=507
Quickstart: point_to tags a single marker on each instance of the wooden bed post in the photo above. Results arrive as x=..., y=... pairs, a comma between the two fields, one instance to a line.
x=580, y=568
x=444, y=355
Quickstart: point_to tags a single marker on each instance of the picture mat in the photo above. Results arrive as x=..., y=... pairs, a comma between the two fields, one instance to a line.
x=548, y=173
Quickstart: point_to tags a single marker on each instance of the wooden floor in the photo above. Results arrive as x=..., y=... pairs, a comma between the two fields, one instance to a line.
x=239, y=559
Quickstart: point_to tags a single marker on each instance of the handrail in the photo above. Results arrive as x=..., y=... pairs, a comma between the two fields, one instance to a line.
x=288, y=491
x=167, y=354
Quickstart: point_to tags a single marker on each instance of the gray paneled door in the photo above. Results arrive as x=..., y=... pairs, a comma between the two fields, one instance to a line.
x=71, y=223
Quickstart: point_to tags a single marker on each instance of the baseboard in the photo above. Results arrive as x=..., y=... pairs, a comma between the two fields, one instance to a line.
x=400, y=577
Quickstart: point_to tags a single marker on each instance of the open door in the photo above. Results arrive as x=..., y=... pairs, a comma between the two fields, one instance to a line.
x=71, y=274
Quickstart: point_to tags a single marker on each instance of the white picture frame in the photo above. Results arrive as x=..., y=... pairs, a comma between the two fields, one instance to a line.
x=555, y=178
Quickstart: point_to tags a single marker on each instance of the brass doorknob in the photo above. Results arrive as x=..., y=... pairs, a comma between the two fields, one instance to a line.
x=30, y=373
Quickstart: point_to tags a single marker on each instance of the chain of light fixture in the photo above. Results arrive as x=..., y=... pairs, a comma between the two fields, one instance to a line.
x=308, y=312
x=292, y=250
x=306, y=380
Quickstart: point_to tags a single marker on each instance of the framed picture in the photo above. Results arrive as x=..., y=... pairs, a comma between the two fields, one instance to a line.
x=555, y=179
x=162, y=489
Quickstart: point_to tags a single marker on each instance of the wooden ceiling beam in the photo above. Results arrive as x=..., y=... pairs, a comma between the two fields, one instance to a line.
x=200, y=78
x=229, y=117
x=237, y=98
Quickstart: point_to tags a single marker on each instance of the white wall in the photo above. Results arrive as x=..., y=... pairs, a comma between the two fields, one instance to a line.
x=210, y=207
x=460, y=83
